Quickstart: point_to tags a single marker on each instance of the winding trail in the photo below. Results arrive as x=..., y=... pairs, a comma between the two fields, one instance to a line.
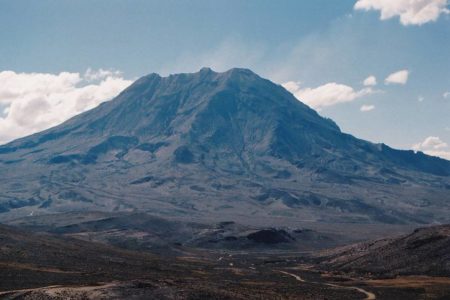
x=298, y=278
x=22, y=291
x=369, y=295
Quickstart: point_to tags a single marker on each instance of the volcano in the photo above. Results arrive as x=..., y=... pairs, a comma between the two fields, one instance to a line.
x=210, y=145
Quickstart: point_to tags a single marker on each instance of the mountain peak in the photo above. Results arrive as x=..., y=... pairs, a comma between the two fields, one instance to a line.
x=206, y=70
x=242, y=71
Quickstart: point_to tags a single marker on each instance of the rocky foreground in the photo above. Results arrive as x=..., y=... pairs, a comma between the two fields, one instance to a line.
x=48, y=266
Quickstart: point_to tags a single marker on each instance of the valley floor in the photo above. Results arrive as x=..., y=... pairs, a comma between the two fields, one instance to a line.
x=116, y=258
x=213, y=276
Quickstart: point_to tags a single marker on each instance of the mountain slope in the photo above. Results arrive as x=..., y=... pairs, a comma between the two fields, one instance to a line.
x=426, y=251
x=32, y=260
x=218, y=144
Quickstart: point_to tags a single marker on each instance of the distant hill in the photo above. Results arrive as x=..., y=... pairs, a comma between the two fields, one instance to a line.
x=144, y=232
x=33, y=260
x=211, y=144
x=426, y=251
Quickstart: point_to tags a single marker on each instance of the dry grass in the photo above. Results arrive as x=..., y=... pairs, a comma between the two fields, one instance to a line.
x=410, y=282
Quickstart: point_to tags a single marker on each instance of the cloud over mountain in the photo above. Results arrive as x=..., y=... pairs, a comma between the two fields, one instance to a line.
x=325, y=95
x=433, y=145
x=35, y=101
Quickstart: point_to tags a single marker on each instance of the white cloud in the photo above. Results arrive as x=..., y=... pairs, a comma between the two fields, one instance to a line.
x=325, y=95
x=432, y=142
x=36, y=101
x=420, y=98
x=292, y=86
x=433, y=145
x=367, y=107
x=93, y=75
x=370, y=81
x=411, y=12
x=399, y=77
x=446, y=95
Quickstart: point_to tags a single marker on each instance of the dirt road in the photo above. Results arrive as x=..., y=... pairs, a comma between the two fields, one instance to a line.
x=369, y=295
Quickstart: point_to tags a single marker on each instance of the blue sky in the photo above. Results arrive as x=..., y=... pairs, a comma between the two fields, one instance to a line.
x=323, y=48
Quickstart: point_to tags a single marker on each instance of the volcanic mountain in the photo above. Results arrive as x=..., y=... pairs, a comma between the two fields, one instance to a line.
x=231, y=145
